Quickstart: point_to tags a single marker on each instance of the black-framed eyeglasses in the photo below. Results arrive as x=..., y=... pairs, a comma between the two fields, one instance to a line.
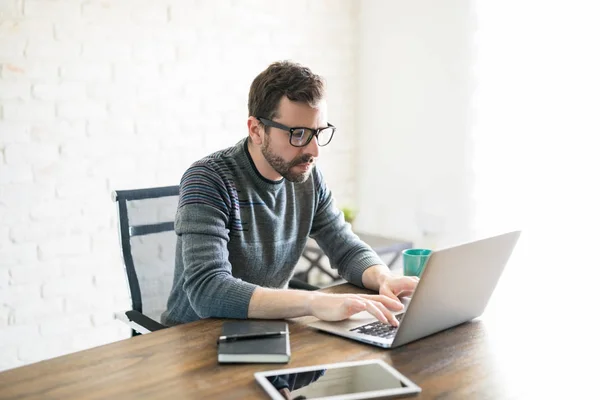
x=300, y=136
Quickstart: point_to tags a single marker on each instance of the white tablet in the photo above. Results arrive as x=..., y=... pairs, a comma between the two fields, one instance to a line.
x=369, y=379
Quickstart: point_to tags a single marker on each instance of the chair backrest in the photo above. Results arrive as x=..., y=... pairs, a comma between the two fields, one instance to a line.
x=148, y=240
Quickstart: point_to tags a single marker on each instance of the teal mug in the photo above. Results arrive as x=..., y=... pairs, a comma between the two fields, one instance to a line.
x=414, y=261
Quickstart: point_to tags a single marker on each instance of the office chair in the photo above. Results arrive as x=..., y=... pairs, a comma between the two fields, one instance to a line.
x=148, y=241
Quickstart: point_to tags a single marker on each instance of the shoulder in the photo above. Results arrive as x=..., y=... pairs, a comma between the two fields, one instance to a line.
x=208, y=180
x=200, y=172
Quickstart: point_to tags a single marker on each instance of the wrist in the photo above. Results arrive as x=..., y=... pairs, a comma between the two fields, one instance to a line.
x=375, y=276
x=309, y=302
x=383, y=275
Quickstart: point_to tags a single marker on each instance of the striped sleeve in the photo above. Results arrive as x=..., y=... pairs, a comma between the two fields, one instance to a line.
x=201, y=184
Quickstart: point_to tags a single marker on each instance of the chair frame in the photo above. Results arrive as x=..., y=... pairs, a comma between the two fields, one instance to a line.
x=139, y=323
x=127, y=232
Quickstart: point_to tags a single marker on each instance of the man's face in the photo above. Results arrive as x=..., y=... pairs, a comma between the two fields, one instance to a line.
x=293, y=163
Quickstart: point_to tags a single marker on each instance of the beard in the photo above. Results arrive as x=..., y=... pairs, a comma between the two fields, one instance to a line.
x=284, y=168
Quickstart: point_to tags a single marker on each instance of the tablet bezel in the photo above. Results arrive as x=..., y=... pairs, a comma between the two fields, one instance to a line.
x=410, y=387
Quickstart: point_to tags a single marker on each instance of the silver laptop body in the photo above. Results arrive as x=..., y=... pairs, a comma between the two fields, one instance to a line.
x=455, y=287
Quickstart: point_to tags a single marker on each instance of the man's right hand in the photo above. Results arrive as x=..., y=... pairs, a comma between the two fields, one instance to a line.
x=337, y=307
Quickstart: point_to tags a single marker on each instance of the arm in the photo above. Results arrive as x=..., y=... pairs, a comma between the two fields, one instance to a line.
x=357, y=262
x=343, y=248
x=281, y=303
x=201, y=222
x=374, y=276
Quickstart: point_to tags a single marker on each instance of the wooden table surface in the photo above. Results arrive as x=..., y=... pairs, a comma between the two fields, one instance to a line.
x=489, y=358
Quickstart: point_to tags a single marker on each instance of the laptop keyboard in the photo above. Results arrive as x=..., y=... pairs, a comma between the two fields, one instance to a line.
x=379, y=329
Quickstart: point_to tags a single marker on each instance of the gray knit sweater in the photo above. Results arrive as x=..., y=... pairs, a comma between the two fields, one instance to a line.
x=236, y=230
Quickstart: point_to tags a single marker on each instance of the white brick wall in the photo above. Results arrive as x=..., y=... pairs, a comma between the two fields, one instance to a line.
x=116, y=94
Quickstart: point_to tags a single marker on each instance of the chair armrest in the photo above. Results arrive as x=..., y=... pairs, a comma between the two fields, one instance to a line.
x=298, y=284
x=139, y=322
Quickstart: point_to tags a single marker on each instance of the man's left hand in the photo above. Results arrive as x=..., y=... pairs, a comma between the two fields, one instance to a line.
x=397, y=286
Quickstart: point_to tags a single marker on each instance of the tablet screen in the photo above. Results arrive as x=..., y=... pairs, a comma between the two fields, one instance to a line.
x=337, y=380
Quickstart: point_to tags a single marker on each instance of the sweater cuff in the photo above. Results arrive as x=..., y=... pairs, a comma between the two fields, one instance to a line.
x=359, y=266
x=237, y=302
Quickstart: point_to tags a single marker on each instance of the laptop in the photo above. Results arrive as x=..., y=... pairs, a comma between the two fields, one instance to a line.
x=455, y=287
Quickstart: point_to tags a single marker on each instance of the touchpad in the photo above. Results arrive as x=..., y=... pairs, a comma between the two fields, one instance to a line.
x=362, y=316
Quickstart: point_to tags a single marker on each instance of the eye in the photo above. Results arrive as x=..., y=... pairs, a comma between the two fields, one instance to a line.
x=298, y=133
x=298, y=136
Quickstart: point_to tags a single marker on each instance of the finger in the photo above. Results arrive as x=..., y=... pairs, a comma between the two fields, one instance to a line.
x=410, y=283
x=386, y=291
x=397, y=286
x=406, y=293
x=376, y=312
x=353, y=306
x=391, y=303
x=391, y=318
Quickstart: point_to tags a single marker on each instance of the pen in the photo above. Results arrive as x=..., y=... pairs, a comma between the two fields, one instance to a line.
x=247, y=336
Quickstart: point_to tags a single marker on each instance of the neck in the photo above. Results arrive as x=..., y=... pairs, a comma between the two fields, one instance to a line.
x=262, y=165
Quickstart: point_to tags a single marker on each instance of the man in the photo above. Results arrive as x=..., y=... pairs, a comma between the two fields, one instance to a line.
x=246, y=212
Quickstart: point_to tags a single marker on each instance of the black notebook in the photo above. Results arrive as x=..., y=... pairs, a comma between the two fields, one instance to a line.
x=252, y=341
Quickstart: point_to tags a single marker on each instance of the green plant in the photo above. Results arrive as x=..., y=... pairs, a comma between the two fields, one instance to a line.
x=349, y=213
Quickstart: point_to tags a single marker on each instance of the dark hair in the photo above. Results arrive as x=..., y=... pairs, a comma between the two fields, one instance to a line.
x=283, y=78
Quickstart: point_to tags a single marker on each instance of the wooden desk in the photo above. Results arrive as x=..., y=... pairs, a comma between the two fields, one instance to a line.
x=477, y=360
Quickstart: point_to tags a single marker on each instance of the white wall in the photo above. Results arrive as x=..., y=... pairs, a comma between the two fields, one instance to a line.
x=414, y=118
x=536, y=146
x=476, y=117
x=104, y=95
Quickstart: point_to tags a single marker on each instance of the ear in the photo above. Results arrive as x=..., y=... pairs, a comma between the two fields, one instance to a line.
x=255, y=131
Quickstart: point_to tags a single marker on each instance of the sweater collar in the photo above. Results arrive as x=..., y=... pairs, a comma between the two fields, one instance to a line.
x=258, y=178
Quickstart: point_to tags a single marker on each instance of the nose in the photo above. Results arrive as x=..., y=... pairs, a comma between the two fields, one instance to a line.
x=313, y=148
